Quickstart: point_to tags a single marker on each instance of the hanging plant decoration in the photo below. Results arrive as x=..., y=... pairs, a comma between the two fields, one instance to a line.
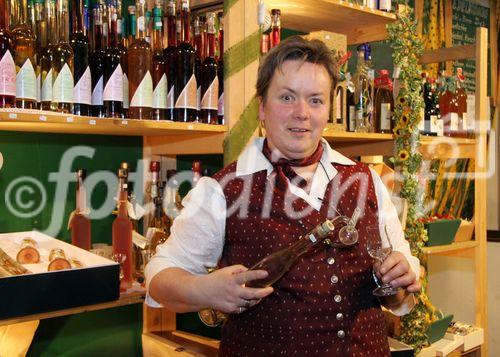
x=407, y=49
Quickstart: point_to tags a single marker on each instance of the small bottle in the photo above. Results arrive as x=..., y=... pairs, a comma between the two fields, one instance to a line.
x=122, y=233
x=169, y=54
x=197, y=172
x=384, y=103
x=220, y=71
x=139, y=76
x=7, y=65
x=80, y=223
x=160, y=84
x=351, y=106
x=275, y=36
x=97, y=64
x=209, y=78
x=430, y=109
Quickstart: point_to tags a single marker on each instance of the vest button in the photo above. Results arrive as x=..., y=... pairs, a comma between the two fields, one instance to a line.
x=330, y=261
x=339, y=316
x=334, y=279
x=337, y=298
x=341, y=334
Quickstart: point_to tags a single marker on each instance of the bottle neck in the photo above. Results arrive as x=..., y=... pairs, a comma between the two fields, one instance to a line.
x=122, y=202
x=158, y=34
x=77, y=13
x=113, y=36
x=23, y=11
x=51, y=18
x=171, y=29
x=276, y=30
x=211, y=44
x=41, y=27
x=198, y=43
x=62, y=21
x=97, y=30
x=141, y=22
x=81, y=204
x=221, y=43
x=186, y=30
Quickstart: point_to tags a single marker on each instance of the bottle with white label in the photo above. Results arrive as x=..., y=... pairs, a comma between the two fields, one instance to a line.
x=384, y=5
x=113, y=72
x=122, y=46
x=209, y=78
x=7, y=65
x=46, y=56
x=97, y=62
x=170, y=59
x=62, y=63
x=186, y=107
x=24, y=58
x=384, y=103
x=139, y=65
x=199, y=47
x=159, y=75
x=82, y=92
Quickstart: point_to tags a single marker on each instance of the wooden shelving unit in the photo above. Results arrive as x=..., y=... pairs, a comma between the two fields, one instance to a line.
x=453, y=247
x=442, y=147
x=360, y=144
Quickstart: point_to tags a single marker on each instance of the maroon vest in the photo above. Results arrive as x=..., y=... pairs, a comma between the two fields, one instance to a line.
x=324, y=305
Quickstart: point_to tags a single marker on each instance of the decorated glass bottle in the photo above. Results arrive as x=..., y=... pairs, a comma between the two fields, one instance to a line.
x=7, y=65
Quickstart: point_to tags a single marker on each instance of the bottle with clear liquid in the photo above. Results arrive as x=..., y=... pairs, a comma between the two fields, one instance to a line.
x=7, y=65
x=82, y=93
x=209, y=78
x=47, y=56
x=24, y=58
x=277, y=265
x=362, y=93
x=169, y=54
x=62, y=63
x=139, y=76
x=97, y=64
x=220, y=70
x=160, y=84
x=40, y=30
x=80, y=223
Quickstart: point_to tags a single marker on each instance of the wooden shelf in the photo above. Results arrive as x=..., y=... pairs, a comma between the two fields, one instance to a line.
x=50, y=122
x=360, y=24
x=443, y=147
x=125, y=299
x=347, y=136
x=453, y=247
x=360, y=144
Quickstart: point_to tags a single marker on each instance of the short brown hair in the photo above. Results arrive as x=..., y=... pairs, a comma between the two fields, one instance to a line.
x=295, y=48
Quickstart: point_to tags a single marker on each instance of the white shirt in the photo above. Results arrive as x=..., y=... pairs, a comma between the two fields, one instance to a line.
x=197, y=235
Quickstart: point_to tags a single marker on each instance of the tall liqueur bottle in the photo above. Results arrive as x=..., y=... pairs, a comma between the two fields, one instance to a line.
x=461, y=95
x=122, y=232
x=448, y=106
x=220, y=70
x=113, y=74
x=7, y=65
x=169, y=54
x=275, y=36
x=430, y=108
x=41, y=43
x=350, y=103
x=159, y=224
x=362, y=93
x=160, y=84
x=97, y=64
x=47, y=56
x=139, y=62
x=384, y=103
x=62, y=63
x=209, y=78
x=24, y=58
x=198, y=47
x=80, y=223
x=122, y=46
x=82, y=92
x=171, y=198
x=185, y=85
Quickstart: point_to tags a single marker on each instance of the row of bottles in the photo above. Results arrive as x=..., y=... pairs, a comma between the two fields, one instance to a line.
x=158, y=71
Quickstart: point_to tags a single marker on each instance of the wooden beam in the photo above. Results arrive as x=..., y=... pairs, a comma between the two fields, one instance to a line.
x=448, y=54
x=494, y=51
x=419, y=15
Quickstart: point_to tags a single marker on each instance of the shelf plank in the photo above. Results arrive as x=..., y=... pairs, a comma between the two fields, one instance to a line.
x=443, y=249
x=443, y=147
x=49, y=122
x=359, y=23
x=125, y=299
x=360, y=144
x=454, y=53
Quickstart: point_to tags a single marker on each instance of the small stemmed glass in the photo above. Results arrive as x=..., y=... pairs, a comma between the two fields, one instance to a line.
x=379, y=247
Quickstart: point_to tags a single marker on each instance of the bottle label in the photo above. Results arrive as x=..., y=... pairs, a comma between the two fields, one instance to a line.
x=7, y=75
x=352, y=117
x=62, y=91
x=38, y=86
x=421, y=121
x=82, y=92
x=434, y=124
x=220, y=108
x=170, y=98
x=188, y=97
x=97, y=92
x=385, y=116
x=143, y=96
x=26, y=82
x=160, y=94
x=210, y=100
x=141, y=23
x=465, y=124
x=47, y=87
x=384, y=5
x=126, y=100
x=113, y=91
x=440, y=127
x=453, y=122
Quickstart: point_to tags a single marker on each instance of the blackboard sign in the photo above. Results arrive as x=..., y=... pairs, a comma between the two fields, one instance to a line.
x=467, y=16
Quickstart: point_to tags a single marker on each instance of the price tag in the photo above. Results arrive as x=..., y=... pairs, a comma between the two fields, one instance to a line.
x=124, y=122
x=92, y=122
x=42, y=118
x=70, y=119
x=190, y=127
x=12, y=116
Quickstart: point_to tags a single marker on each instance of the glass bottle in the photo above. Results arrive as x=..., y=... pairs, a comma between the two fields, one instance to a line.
x=275, y=37
x=220, y=70
x=7, y=65
x=197, y=172
x=384, y=103
x=198, y=60
x=362, y=93
x=24, y=58
x=171, y=198
x=430, y=110
x=209, y=79
x=170, y=59
x=122, y=233
x=461, y=95
x=62, y=63
x=385, y=5
x=160, y=223
x=371, y=86
x=97, y=63
x=448, y=106
x=113, y=74
x=82, y=93
x=31, y=17
x=122, y=47
x=339, y=105
x=132, y=24
x=139, y=62
x=160, y=84
x=40, y=30
x=351, y=106
x=47, y=56
x=185, y=85
x=80, y=223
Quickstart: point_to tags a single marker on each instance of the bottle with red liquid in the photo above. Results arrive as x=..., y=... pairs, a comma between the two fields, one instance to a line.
x=448, y=105
x=209, y=78
x=80, y=223
x=220, y=70
x=198, y=44
x=384, y=103
x=122, y=233
x=170, y=59
x=275, y=36
x=160, y=84
x=97, y=63
x=461, y=95
x=7, y=65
